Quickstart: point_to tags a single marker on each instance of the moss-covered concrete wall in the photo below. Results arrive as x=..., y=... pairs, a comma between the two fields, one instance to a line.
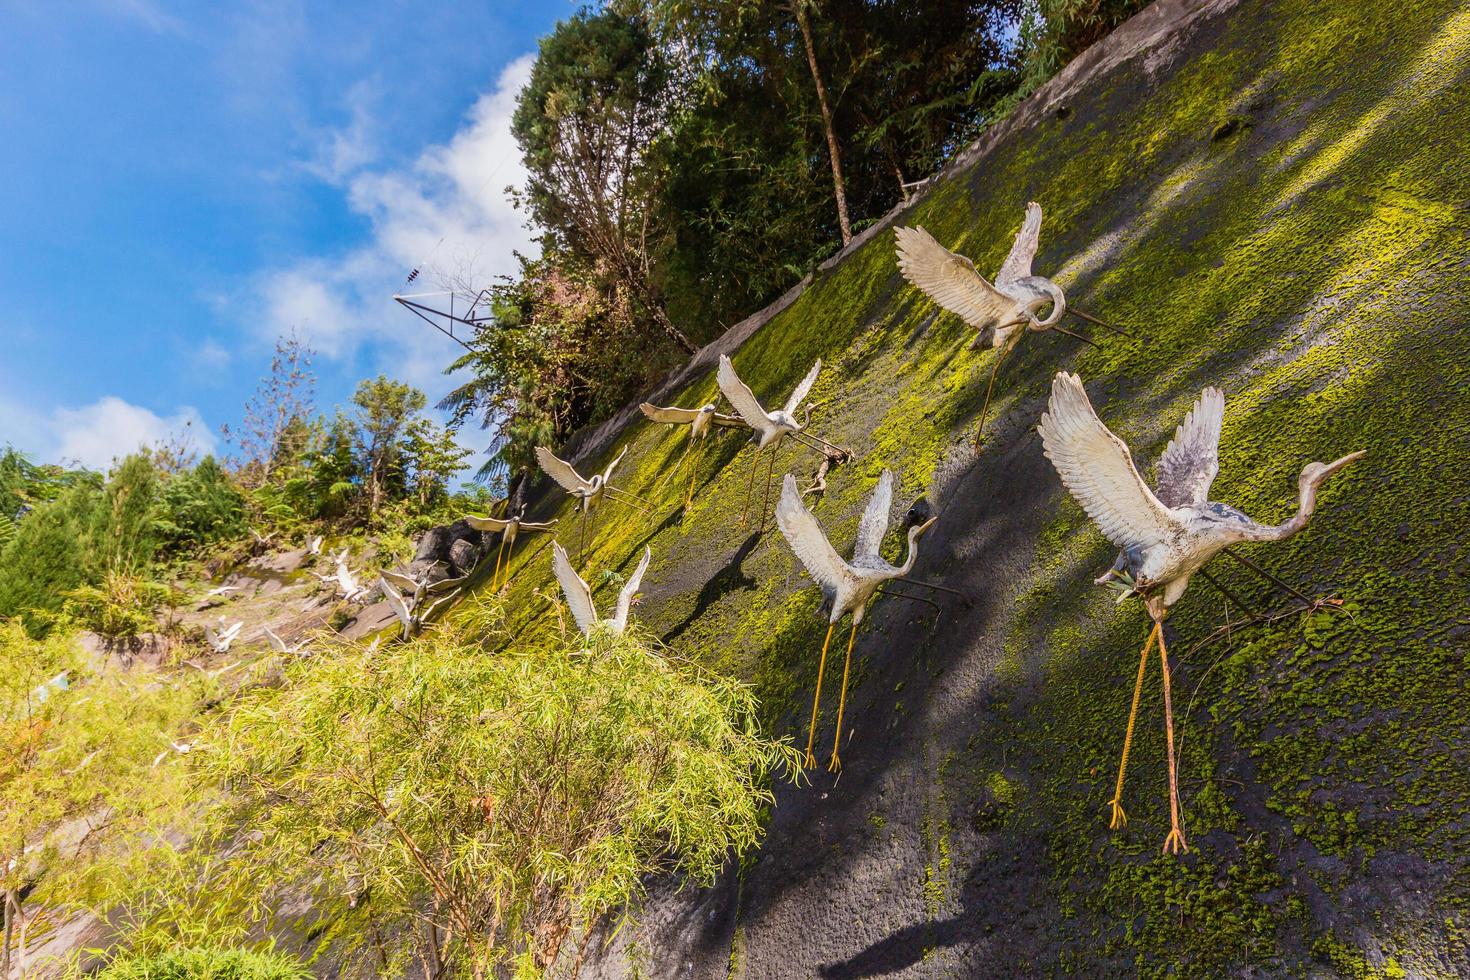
x=1275, y=199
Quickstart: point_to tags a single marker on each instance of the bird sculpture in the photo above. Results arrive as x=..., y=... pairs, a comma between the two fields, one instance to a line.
x=280, y=646
x=508, y=528
x=352, y=589
x=1001, y=311
x=220, y=640
x=579, y=596
x=1166, y=538
x=701, y=422
x=587, y=492
x=414, y=600
x=314, y=546
x=847, y=587
x=221, y=590
x=771, y=427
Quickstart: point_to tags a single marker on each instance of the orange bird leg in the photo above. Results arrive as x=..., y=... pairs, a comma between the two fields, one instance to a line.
x=498, y=552
x=1174, y=843
x=835, y=765
x=1120, y=819
x=811, y=734
x=750, y=485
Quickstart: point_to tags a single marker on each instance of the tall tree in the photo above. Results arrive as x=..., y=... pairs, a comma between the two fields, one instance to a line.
x=834, y=149
x=600, y=94
x=272, y=430
x=385, y=409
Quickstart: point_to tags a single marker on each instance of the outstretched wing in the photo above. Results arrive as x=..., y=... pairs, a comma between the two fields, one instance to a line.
x=485, y=523
x=1095, y=466
x=875, y=519
x=578, y=596
x=607, y=473
x=630, y=589
x=1018, y=264
x=1192, y=458
x=532, y=526
x=445, y=585
x=672, y=416
x=740, y=395
x=277, y=644
x=806, y=385
x=951, y=280
x=730, y=421
x=805, y=536
x=395, y=602
x=559, y=470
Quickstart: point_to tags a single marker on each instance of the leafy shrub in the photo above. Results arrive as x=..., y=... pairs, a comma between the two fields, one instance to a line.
x=205, y=964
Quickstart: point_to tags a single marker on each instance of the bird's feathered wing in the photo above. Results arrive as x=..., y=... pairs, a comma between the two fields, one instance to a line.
x=277, y=644
x=395, y=602
x=630, y=589
x=951, y=280
x=578, y=596
x=742, y=399
x=485, y=523
x=671, y=416
x=1096, y=467
x=545, y=526
x=1018, y=264
x=607, y=473
x=805, y=536
x=445, y=585
x=1192, y=458
x=875, y=519
x=559, y=470
x=800, y=391
x=730, y=421
x=400, y=581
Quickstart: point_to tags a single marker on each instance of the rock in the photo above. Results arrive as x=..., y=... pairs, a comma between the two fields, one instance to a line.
x=457, y=545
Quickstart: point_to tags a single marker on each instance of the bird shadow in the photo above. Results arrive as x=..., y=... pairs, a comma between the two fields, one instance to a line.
x=730, y=578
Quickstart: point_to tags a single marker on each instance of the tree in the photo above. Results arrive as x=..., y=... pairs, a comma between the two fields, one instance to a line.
x=126, y=536
x=481, y=808
x=273, y=429
x=199, y=507
x=834, y=150
x=434, y=459
x=600, y=94
x=385, y=409
x=50, y=554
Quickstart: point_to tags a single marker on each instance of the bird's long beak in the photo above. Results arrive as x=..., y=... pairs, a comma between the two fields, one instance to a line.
x=1336, y=465
x=1071, y=333
x=925, y=526
x=1092, y=319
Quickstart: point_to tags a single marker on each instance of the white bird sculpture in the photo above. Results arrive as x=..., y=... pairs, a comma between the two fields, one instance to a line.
x=508, y=528
x=221, y=590
x=701, y=422
x=279, y=645
x=1166, y=537
x=410, y=607
x=314, y=546
x=220, y=640
x=586, y=491
x=1002, y=311
x=771, y=427
x=579, y=596
x=847, y=586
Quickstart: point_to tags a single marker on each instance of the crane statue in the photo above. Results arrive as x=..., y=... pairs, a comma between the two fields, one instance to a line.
x=415, y=600
x=846, y=587
x=771, y=427
x=1166, y=537
x=701, y=422
x=587, y=492
x=579, y=596
x=508, y=528
x=1001, y=311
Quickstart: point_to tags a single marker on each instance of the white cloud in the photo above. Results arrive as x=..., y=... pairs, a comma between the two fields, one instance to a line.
x=211, y=357
x=96, y=434
x=449, y=203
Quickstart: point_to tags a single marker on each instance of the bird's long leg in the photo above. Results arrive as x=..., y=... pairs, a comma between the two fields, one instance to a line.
x=1228, y=594
x=1119, y=818
x=770, y=473
x=1269, y=577
x=1092, y=319
x=990, y=387
x=750, y=485
x=1174, y=843
x=913, y=598
x=811, y=734
x=1073, y=333
x=582, y=539
x=835, y=765
x=931, y=585
x=498, y=552
x=693, y=472
x=820, y=446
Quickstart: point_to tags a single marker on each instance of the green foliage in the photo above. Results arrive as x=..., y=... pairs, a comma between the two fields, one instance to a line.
x=126, y=537
x=205, y=963
x=385, y=408
x=199, y=507
x=123, y=608
x=25, y=484
x=49, y=554
x=507, y=798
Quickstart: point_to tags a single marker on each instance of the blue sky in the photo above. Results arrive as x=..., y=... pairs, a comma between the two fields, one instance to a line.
x=180, y=183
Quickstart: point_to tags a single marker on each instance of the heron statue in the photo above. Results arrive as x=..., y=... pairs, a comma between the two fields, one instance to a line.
x=280, y=646
x=701, y=422
x=847, y=587
x=1166, y=538
x=579, y=596
x=508, y=528
x=1001, y=311
x=415, y=600
x=220, y=640
x=587, y=492
x=771, y=427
